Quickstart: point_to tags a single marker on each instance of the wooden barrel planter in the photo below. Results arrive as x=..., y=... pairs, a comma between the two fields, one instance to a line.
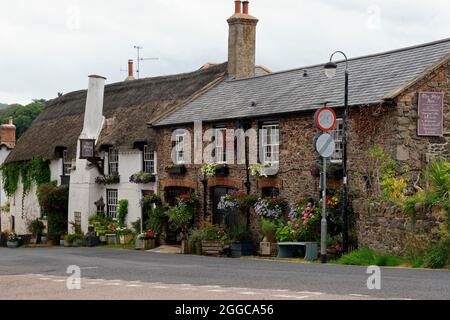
x=212, y=248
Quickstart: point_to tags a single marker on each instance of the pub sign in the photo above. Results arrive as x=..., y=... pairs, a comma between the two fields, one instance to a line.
x=431, y=114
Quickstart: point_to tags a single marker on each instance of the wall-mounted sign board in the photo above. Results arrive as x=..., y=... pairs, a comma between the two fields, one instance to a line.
x=431, y=114
x=87, y=148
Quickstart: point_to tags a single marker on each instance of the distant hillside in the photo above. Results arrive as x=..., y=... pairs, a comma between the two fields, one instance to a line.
x=23, y=115
x=3, y=106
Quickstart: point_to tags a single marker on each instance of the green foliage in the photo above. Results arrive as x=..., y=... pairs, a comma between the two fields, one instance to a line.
x=268, y=228
x=438, y=176
x=211, y=232
x=367, y=257
x=241, y=233
x=287, y=233
x=122, y=212
x=23, y=115
x=181, y=217
x=34, y=171
x=54, y=203
x=195, y=235
x=36, y=227
x=157, y=217
x=438, y=255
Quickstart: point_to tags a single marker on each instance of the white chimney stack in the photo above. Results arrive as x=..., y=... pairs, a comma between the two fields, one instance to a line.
x=93, y=116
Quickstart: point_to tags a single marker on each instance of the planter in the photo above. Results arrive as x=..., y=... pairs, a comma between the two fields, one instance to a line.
x=265, y=248
x=103, y=239
x=242, y=249
x=176, y=170
x=185, y=247
x=112, y=239
x=125, y=238
x=78, y=243
x=198, y=248
x=12, y=244
x=332, y=254
x=148, y=244
x=92, y=241
x=3, y=240
x=44, y=240
x=211, y=248
x=67, y=244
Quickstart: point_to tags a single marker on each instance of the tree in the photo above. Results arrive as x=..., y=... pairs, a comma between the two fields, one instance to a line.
x=23, y=116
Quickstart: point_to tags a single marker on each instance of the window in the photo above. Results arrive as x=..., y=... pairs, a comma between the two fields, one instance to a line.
x=67, y=164
x=77, y=218
x=270, y=192
x=270, y=143
x=113, y=161
x=180, y=140
x=111, y=199
x=338, y=135
x=149, y=160
x=221, y=145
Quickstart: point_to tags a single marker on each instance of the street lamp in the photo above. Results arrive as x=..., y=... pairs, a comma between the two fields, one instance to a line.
x=330, y=72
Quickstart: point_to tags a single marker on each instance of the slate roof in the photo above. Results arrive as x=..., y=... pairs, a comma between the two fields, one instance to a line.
x=372, y=78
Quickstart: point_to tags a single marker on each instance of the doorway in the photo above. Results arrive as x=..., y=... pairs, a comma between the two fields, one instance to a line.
x=220, y=217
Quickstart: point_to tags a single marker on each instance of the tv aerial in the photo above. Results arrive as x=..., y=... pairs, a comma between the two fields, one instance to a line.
x=139, y=59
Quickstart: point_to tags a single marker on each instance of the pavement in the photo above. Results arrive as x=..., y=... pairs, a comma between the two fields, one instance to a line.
x=41, y=273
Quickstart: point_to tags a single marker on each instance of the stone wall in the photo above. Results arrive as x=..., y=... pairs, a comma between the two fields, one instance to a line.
x=386, y=227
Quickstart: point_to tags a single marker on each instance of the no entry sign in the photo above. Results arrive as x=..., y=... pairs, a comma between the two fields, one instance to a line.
x=325, y=119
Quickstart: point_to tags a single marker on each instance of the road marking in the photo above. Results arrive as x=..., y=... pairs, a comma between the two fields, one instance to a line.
x=187, y=289
x=159, y=287
x=284, y=296
x=309, y=292
x=112, y=284
x=44, y=279
x=248, y=293
x=59, y=280
x=357, y=295
x=210, y=287
x=217, y=290
x=92, y=283
x=301, y=297
x=135, y=285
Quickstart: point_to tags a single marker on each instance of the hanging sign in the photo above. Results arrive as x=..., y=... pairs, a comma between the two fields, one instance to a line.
x=325, y=119
x=325, y=145
x=431, y=114
x=87, y=148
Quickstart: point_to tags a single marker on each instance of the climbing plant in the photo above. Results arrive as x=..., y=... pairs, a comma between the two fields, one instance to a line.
x=35, y=171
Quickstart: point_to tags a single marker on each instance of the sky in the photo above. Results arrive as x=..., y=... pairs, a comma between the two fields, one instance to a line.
x=51, y=46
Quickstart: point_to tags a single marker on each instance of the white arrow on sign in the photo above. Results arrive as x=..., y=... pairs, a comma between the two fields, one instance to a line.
x=325, y=145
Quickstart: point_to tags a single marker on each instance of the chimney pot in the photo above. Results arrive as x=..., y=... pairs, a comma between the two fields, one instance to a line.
x=237, y=6
x=10, y=120
x=130, y=68
x=245, y=7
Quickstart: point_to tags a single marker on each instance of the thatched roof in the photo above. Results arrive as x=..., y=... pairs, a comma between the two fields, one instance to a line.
x=128, y=107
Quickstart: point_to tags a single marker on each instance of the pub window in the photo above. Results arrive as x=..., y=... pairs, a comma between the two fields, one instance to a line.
x=270, y=144
x=338, y=135
x=149, y=160
x=111, y=200
x=67, y=164
x=180, y=152
x=113, y=161
x=269, y=192
x=221, y=145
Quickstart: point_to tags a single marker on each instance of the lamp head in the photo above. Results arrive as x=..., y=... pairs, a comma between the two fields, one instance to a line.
x=330, y=69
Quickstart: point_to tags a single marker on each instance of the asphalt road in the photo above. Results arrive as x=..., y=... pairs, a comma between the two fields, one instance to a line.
x=25, y=273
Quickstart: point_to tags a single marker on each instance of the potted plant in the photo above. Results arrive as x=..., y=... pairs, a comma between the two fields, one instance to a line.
x=176, y=169
x=146, y=241
x=13, y=240
x=91, y=239
x=267, y=245
x=262, y=170
x=213, y=169
x=142, y=178
x=3, y=238
x=61, y=240
x=36, y=227
x=213, y=239
x=242, y=244
x=125, y=235
x=195, y=241
x=181, y=216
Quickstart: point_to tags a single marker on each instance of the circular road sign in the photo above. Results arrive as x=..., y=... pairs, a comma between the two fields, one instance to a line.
x=325, y=145
x=325, y=119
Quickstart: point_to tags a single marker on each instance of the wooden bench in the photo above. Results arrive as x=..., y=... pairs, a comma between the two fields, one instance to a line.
x=285, y=249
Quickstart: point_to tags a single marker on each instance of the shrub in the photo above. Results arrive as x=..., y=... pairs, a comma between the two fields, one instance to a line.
x=36, y=227
x=195, y=235
x=54, y=204
x=241, y=233
x=157, y=217
x=181, y=217
x=268, y=228
x=438, y=255
x=213, y=233
x=122, y=212
x=438, y=176
x=367, y=257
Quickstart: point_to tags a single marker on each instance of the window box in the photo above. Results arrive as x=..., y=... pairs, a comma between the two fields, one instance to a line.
x=142, y=178
x=110, y=179
x=65, y=180
x=176, y=169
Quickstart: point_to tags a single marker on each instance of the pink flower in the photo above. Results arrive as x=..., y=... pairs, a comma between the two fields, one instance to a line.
x=313, y=217
x=308, y=208
x=305, y=215
x=305, y=222
x=309, y=204
x=296, y=226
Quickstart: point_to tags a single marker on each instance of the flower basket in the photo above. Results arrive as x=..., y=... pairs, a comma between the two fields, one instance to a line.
x=142, y=178
x=107, y=180
x=176, y=169
x=12, y=244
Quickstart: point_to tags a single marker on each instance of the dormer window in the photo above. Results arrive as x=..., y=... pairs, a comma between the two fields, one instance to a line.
x=149, y=160
x=113, y=161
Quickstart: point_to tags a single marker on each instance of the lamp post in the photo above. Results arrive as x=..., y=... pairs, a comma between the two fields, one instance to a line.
x=330, y=71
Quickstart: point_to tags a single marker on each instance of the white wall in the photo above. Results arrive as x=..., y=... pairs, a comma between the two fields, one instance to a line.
x=56, y=170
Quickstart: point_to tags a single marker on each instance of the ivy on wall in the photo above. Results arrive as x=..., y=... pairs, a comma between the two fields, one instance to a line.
x=35, y=171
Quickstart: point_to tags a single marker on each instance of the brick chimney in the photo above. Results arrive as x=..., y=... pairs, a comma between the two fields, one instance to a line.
x=241, y=42
x=130, y=71
x=8, y=134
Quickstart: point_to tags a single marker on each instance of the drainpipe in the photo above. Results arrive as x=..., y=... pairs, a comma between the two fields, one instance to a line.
x=205, y=191
x=246, y=126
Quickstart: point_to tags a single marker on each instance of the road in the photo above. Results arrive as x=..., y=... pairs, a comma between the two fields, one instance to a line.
x=40, y=273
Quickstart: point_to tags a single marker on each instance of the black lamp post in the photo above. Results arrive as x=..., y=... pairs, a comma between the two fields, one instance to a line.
x=330, y=71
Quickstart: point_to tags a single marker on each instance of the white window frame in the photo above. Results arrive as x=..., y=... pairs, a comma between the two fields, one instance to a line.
x=113, y=161
x=338, y=136
x=220, y=145
x=112, y=202
x=270, y=143
x=149, y=160
x=67, y=164
x=180, y=140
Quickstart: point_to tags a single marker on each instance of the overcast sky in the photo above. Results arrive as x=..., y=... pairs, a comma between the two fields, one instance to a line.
x=51, y=46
